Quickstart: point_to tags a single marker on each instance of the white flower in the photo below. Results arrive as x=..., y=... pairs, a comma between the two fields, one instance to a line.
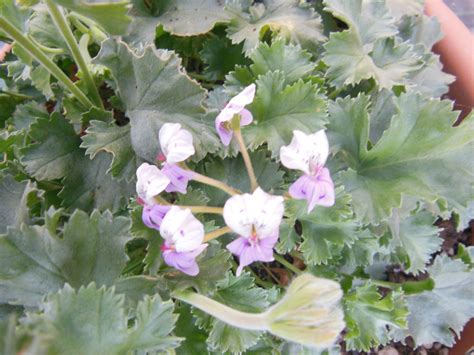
x=182, y=230
x=258, y=214
x=150, y=182
x=307, y=153
x=176, y=143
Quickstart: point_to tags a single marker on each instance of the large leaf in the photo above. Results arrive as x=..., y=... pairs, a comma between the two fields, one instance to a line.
x=290, y=59
x=110, y=138
x=368, y=314
x=285, y=17
x=435, y=315
x=420, y=154
x=14, y=197
x=111, y=15
x=89, y=186
x=155, y=90
x=54, y=152
x=35, y=261
x=94, y=321
x=279, y=109
x=366, y=50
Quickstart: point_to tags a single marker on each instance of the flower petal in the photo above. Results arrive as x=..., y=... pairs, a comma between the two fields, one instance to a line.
x=182, y=230
x=150, y=182
x=246, y=117
x=305, y=151
x=152, y=216
x=184, y=261
x=178, y=177
x=259, y=210
x=176, y=143
x=248, y=252
x=225, y=134
x=242, y=99
x=318, y=190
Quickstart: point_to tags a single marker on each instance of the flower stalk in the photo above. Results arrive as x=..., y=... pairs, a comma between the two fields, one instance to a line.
x=61, y=23
x=215, y=183
x=216, y=234
x=44, y=60
x=244, y=152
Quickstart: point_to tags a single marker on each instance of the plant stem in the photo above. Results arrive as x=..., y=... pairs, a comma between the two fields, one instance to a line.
x=409, y=287
x=204, y=209
x=217, y=233
x=61, y=23
x=287, y=264
x=216, y=183
x=246, y=157
x=250, y=321
x=44, y=60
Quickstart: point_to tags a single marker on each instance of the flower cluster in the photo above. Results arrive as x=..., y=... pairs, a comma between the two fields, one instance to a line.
x=254, y=217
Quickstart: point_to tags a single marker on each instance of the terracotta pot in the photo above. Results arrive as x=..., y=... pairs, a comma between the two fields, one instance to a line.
x=457, y=53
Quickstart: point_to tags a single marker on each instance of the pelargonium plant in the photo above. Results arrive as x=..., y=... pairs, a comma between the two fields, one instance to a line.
x=238, y=176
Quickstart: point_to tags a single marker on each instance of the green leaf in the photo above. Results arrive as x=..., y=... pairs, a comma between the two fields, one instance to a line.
x=220, y=57
x=111, y=15
x=73, y=323
x=400, y=8
x=297, y=24
x=89, y=186
x=326, y=230
x=349, y=61
x=194, y=339
x=35, y=262
x=233, y=172
x=154, y=322
x=290, y=59
x=414, y=239
x=368, y=20
x=420, y=154
x=54, y=152
x=16, y=15
x=234, y=292
x=288, y=237
x=368, y=314
x=14, y=197
x=113, y=139
x=190, y=18
x=435, y=315
x=43, y=30
x=155, y=90
x=279, y=109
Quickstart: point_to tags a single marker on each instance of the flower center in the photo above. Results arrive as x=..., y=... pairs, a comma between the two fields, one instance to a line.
x=165, y=247
x=161, y=157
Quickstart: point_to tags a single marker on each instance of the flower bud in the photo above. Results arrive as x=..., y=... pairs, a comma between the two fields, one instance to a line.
x=310, y=312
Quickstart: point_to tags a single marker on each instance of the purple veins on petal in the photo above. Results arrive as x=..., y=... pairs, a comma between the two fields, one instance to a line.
x=152, y=216
x=317, y=190
x=178, y=177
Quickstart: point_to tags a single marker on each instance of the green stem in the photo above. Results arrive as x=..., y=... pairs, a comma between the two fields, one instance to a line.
x=217, y=233
x=287, y=264
x=409, y=287
x=61, y=23
x=215, y=183
x=44, y=60
x=245, y=156
x=203, y=209
x=249, y=321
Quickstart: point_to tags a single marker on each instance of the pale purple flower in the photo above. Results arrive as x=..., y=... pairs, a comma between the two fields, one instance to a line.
x=176, y=143
x=178, y=177
x=152, y=216
x=150, y=182
x=309, y=153
x=256, y=219
x=183, y=235
x=236, y=106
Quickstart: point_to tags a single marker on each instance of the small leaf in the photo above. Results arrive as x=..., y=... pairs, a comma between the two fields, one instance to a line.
x=109, y=137
x=297, y=24
x=368, y=315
